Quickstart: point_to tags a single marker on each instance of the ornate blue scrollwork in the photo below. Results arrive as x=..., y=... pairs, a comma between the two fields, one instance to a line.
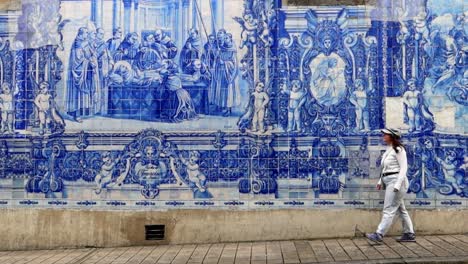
x=432, y=168
x=34, y=69
x=3, y=158
x=259, y=22
x=219, y=141
x=338, y=69
x=261, y=178
x=48, y=176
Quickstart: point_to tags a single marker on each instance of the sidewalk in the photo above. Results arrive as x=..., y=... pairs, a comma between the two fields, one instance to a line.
x=428, y=249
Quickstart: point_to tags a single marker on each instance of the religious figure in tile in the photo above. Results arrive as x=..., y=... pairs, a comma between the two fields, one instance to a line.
x=191, y=51
x=105, y=63
x=209, y=52
x=224, y=91
x=128, y=49
x=328, y=82
x=164, y=45
x=83, y=85
x=114, y=43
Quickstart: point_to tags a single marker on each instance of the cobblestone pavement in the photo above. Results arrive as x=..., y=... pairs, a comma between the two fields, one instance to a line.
x=428, y=249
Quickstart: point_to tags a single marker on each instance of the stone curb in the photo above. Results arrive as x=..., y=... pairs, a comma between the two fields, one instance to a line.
x=438, y=260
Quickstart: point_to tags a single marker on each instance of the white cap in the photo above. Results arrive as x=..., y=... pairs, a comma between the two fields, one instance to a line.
x=391, y=131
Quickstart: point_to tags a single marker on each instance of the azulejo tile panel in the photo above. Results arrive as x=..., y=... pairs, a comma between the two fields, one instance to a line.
x=229, y=104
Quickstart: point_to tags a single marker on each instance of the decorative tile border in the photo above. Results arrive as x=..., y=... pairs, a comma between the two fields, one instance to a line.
x=227, y=204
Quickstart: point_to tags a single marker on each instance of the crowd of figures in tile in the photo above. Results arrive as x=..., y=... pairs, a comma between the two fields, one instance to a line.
x=149, y=61
x=328, y=81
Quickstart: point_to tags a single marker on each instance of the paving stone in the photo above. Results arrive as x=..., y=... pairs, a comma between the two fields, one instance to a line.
x=387, y=252
x=155, y=255
x=228, y=256
x=47, y=255
x=184, y=254
x=369, y=251
x=336, y=250
x=98, y=255
x=169, y=255
x=138, y=258
x=20, y=256
x=433, y=248
x=455, y=242
x=427, y=249
x=398, y=248
x=127, y=255
x=289, y=251
x=259, y=253
x=305, y=252
x=69, y=256
x=274, y=254
x=275, y=261
x=320, y=251
x=111, y=257
x=11, y=258
x=213, y=254
x=418, y=250
x=462, y=238
x=244, y=251
x=351, y=249
x=443, y=244
x=199, y=254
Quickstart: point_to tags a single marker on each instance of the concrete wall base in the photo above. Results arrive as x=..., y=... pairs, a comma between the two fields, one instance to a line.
x=49, y=229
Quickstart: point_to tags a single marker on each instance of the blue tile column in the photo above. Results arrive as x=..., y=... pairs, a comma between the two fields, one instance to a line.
x=218, y=14
x=178, y=24
x=170, y=18
x=96, y=12
x=195, y=18
x=127, y=15
x=185, y=18
x=173, y=14
x=135, y=17
x=116, y=13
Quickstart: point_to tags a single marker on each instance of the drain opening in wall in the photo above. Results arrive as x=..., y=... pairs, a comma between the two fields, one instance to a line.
x=154, y=232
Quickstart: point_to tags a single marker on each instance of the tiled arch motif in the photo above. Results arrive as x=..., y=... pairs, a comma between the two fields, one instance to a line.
x=315, y=85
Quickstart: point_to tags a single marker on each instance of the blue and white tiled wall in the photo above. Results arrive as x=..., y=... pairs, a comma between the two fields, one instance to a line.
x=150, y=104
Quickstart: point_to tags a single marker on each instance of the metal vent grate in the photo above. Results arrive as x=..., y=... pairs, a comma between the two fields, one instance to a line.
x=154, y=232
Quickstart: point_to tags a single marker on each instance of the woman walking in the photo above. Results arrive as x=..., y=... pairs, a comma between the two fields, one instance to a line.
x=395, y=183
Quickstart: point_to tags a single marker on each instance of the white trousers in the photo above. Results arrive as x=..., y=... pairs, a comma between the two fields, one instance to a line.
x=394, y=204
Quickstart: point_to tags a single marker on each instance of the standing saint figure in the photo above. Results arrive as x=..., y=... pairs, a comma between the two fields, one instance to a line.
x=224, y=92
x=164, y=45
x=105, y=62
x=128, y=49
x=209, y=52
x=83, y=85
x=191, y=51
x=114, y=42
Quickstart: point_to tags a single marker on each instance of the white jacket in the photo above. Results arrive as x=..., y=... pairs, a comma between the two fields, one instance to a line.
x=395, y=162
